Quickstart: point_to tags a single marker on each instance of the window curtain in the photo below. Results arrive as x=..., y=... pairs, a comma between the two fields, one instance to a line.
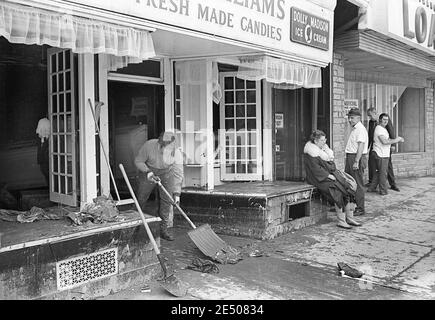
x=283, y=73
x=192, y=78
x=27, y=25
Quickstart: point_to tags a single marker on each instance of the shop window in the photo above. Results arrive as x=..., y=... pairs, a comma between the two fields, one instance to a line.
x=148, y=68
x=404, y=105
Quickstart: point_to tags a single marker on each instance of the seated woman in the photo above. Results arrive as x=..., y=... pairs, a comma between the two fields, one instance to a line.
x=322, y=173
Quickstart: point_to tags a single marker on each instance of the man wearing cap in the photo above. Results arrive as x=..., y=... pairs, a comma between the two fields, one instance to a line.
x=160, y=159
x=356, y=157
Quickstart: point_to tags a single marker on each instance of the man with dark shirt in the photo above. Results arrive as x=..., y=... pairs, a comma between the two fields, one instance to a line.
x=372, y=114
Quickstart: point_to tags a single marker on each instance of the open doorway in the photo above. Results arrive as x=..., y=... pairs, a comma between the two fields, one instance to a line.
x=136, y=114
x=293, y=112
x=296, y=114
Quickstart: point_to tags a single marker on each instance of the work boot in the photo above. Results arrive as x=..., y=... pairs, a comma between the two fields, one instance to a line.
x=164, y=234
x=349, y=217
x=341, y=217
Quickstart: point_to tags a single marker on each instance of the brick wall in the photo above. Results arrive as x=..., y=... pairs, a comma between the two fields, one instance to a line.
x=338, y=120
x=412, y=164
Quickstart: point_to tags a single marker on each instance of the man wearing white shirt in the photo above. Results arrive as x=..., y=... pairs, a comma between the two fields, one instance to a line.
x=381, y=147
x=356, y=157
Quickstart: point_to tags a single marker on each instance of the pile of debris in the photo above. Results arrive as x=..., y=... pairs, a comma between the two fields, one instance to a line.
x=32, y=215
x=102, y=210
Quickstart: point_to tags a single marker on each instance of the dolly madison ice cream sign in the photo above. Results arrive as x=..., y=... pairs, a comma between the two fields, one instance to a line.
x=292, y=26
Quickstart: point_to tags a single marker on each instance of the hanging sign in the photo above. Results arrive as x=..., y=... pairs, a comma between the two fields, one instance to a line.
x=309, y=30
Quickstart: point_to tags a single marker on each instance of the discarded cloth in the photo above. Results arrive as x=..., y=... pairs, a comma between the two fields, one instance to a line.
x=9, y=215
x=228, y=255
x=345, y=269
x=102, y=210
x=205, y=266
x=32, y=215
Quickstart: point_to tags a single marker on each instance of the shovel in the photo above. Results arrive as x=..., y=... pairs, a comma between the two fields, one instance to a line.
x=207, y=241
x=170, y=283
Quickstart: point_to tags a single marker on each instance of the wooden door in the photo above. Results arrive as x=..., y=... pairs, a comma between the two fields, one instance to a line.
x=61, y=101
x=241, y=130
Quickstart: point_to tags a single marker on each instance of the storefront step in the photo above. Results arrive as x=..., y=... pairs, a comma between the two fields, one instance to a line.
x=255, y=210
x=84, y=265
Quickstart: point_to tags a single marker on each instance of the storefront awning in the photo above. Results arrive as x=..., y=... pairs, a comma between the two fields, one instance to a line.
x=287, y=74
x=28, y=25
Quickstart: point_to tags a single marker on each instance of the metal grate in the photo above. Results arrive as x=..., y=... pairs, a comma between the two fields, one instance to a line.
x=77, y=271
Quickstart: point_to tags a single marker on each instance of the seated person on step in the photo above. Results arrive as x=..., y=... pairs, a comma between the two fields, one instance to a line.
x=323, y=174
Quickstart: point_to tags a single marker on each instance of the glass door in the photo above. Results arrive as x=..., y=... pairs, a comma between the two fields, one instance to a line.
x=61, y=97
x=240, y=132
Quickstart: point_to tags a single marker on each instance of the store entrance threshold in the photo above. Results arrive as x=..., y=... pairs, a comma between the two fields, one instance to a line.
x=259, y=210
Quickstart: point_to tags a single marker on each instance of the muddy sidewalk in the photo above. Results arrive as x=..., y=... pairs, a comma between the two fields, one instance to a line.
x=394, y=248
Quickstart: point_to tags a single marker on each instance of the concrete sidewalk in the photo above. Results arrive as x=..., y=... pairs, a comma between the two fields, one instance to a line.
x=394, y=247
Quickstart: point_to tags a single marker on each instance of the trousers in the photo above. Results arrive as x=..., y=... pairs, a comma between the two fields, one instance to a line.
x=372, y=169
x=145, y=188
x=358, y=176
x=380, y=176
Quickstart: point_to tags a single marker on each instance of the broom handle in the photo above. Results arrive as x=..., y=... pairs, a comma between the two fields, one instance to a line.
x=150, y=235
x=175, y=204
x=104, y=151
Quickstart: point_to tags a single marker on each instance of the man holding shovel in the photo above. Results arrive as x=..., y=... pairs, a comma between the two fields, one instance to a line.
x=160, y=159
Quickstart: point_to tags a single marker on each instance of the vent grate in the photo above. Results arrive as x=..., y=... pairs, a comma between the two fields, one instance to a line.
x=77, y=271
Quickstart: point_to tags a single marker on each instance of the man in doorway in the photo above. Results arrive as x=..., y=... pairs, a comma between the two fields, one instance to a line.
x=160, y=159
x=373, y=117
x=356, y=157
x=382, y=152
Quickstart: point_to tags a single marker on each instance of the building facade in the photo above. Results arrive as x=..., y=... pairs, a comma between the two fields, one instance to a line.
x=221, y=74
x=386, y=61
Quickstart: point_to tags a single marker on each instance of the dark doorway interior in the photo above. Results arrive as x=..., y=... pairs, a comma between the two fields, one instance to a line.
x=132, y=106
x=293, y=111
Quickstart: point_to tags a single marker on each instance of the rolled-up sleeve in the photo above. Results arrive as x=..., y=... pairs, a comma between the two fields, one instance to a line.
x=141, y=159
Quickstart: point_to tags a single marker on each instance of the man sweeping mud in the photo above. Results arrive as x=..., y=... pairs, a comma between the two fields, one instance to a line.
x=160, y=159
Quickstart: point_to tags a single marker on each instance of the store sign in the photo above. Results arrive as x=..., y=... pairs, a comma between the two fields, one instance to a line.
x=411, y=21
x=266, y=23
x=309, y=30
x=419, y=22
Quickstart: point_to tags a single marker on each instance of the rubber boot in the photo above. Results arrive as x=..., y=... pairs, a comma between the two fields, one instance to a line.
x=349, y=217
x=341, y=219
x=164, y=234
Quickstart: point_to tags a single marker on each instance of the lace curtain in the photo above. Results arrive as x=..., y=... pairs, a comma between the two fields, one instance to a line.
x=283, y=73
x=27, y=25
